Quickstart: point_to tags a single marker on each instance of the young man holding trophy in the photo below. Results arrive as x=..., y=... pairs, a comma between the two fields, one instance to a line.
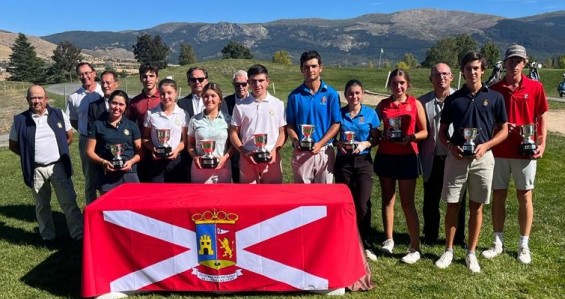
x=313, y=118
x=475, y=111
x=517, y=156
x=257, y=131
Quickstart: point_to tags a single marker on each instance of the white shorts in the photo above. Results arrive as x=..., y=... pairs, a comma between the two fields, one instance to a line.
x=476, y=173
x=523, y=172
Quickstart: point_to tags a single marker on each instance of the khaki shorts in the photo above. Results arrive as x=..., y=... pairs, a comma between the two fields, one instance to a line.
x=476, y=173
x=523, y=172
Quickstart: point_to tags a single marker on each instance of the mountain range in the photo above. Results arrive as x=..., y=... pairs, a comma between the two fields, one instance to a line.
x=354, y=41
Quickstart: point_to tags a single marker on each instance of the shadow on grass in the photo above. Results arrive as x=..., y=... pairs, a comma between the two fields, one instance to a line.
x=27, y=213
x=60, y=273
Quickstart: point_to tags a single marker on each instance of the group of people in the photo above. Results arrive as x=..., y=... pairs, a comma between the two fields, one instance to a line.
x=208, y=138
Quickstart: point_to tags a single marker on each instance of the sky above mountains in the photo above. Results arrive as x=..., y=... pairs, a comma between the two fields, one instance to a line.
x=40, y=17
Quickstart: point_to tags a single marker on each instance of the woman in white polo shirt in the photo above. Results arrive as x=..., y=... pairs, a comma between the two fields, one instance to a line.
x=167, y=164
x=210, y=125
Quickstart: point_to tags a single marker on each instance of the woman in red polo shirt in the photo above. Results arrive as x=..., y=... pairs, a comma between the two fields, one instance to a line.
x=404, y=121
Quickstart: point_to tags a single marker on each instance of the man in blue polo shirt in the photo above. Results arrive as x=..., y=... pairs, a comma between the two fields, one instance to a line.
x=313, y=103
x=473, y=108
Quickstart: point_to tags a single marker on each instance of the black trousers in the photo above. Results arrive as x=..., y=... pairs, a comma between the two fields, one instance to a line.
x=432, y=196
x=356, y=171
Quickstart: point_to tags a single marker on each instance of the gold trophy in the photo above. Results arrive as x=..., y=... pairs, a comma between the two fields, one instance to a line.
x=394, y=132
x=164, y=149
x=208, y=160
x=261, y=154
x=349, y=144
x=307, y=143
x=528, y=145
x=469, y=146
x=117, y=150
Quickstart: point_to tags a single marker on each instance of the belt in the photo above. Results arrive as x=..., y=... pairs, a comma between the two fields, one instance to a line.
x=46, y=164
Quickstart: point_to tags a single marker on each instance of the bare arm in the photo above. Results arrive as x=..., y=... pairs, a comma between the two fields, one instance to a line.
x=330, y=133
x=69, y=137
x=292, y=135
x=542, y=136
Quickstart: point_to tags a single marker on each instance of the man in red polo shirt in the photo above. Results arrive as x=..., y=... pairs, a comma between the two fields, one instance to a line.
x=526, y=104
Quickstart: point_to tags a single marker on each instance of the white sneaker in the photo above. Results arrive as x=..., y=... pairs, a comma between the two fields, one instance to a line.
x=370, y=255
x=493, y=252
x=412, y=256
x=388, y=245
x=445, y=260
x=472, y=263
x=524, y=256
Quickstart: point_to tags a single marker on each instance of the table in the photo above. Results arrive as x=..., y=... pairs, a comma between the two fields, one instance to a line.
x=224, y=237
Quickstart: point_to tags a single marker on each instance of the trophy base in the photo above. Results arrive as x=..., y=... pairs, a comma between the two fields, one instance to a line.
x=209, y=163
x=163, y=152
x=306, y=145
x=350, y=147
x=468, y=150
x=118, y=163
x=528, y=149
x=396, y=137
x=261, y=157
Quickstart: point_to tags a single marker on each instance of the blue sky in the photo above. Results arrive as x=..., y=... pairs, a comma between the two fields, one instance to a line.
x=44, y=17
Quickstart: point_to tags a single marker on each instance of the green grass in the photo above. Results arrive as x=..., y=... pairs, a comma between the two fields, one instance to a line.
x=28, y=270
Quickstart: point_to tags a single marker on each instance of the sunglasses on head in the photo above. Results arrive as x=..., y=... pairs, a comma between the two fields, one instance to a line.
x=199, y=80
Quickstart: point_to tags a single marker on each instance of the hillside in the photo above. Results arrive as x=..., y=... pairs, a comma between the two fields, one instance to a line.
x=357, y=40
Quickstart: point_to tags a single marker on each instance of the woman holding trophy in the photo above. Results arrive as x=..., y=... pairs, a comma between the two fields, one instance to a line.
x=404, y=121
x=164, y=135
x=359, y=131
x=114, y=142
x=208, y=143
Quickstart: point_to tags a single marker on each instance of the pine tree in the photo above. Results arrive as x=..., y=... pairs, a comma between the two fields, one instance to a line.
x=24, y=65
x=66, y=56
x=152, y=50
x=186, y=55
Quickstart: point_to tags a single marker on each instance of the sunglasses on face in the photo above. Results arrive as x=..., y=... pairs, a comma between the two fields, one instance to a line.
x=199, y=80
x=238, y=84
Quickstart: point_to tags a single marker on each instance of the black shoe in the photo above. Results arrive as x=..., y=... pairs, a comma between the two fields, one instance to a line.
x=50, y=244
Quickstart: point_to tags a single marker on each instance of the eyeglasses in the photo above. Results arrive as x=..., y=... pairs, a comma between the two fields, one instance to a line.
x=240, y=84
x=444, y=74
x=199, y=80
x=85, y=74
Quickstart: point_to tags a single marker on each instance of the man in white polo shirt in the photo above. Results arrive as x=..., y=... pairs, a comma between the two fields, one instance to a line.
x=259, y=113
x=77, y=109
x=41, y=136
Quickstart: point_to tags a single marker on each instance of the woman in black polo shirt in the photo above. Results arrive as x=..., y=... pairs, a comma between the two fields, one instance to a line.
x=114, y=142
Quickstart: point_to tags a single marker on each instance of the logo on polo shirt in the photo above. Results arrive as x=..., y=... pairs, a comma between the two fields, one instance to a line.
x=59, y=125
x=126, y=132
x=177, y=122
x=361, y=120
x=525, y=96
x=485, y=102
x=324, y=100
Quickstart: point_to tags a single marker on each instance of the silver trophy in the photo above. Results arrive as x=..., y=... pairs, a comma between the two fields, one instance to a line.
x=307, y=143
x=164, y=149
x=208, y=160
x=528, y=145
x=349, y=144
x=261, y=154
x=394, y=132
x=469, y=146
x=117, y=150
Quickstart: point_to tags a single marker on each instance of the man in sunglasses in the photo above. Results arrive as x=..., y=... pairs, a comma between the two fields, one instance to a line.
x=241, y=91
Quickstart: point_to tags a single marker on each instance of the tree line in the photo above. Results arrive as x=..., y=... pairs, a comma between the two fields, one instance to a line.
x=24, y=65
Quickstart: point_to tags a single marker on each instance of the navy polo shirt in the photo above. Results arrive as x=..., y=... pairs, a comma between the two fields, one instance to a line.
x=361, y=124
x=483, y=111
x=105, y=134
x=320, y=109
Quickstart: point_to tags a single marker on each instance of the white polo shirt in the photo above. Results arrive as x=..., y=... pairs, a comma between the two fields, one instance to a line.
x=77, y=106
x=157, y=119
x=256, y=117
x=46, y=149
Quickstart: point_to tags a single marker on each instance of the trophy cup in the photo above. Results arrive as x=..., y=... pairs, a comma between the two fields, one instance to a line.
x=117, y=151
x=469, y=146
x=394, y=132
x=261, y=154
x=528, y=145
x=208, y=160
x=348, y=144
x=163, y=150
x=307, y=143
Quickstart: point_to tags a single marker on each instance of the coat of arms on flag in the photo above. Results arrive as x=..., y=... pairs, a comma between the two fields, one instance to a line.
x=216, y=245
